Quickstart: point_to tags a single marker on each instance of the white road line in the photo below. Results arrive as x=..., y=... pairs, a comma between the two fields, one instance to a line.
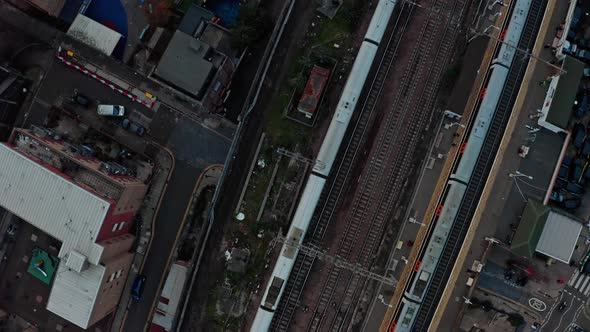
x=562, y=315
x=550, y=313
x=573, y=278
x=580, y=281
x=587, y=292
x=584, y=285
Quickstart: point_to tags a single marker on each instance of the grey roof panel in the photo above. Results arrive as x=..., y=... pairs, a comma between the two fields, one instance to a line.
x=559, y=237
x=184, y=65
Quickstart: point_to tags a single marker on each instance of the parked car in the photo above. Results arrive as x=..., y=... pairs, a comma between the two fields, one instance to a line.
x=574, y=189
x=564, y=172
x=535, y=326
x=557, y=196
x=571, y=204
x=12, y=229
x=82, y=150
x=581, y=106
x=113, y=168
x=584, y=54
x=111, y=110
x=133, y=127
x=578, y=171
x=576, y=18
x=562, y=306
x=138, y=285
x=509, y=274
x=579, y=135
x=560, y=184
x=569, y=48
x=81, y=100
x=521, y=281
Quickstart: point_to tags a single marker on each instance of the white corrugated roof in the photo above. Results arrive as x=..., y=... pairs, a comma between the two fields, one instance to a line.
x=559, y=237
x=73, y=294
x=75, y=261
x=52, y=203
x=94, y=34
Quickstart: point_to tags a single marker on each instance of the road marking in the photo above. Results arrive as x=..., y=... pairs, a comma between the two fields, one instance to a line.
x=547, y=318
x=580, y=281
x=562, y=315
x=573, y=278
x=587, y=292
x=584, y=285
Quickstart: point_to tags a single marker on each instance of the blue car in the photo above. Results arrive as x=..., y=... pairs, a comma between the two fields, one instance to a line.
x=138, y=285
x=579, y=135
x=582, y=107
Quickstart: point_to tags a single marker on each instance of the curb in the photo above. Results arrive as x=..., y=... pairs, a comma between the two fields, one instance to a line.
x=178, y=233
x=153, y=223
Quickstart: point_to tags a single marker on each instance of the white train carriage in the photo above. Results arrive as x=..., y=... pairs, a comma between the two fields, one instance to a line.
x=379, y=21
x=457, y=184
x=326, y=156
x=346, y=106
x=354, y=86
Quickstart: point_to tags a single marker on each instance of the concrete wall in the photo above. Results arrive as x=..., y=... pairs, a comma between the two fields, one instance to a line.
x=110, y=290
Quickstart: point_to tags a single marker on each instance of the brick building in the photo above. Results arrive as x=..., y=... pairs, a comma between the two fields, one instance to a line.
x=86, y=204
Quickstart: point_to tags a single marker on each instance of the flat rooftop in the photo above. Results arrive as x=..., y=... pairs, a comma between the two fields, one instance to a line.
x=52, y=203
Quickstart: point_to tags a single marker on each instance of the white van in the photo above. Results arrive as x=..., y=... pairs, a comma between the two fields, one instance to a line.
x=111, y=110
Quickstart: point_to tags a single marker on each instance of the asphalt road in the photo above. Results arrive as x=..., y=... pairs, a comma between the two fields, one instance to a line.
x=169, y=218
x=193, y=145
x=557, y=320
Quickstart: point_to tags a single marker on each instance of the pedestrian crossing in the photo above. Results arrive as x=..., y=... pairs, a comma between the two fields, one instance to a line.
x=580, y=282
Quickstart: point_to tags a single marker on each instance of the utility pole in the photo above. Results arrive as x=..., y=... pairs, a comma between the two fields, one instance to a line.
x=297, y=156
x=340, y=262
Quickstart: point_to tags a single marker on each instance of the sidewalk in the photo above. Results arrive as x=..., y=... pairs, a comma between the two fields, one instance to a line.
x=155, y=95
x=148, y=213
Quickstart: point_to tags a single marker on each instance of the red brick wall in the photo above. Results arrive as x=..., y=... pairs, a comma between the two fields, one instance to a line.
x=106, y=231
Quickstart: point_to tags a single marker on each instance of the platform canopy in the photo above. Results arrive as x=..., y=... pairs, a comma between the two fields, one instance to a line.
x=546, y=231
x=559, y=237
x=560, y=97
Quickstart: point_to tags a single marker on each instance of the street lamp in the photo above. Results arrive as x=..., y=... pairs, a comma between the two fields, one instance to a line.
x=414, y=221
x=380, y=297
x=519, y=174
x=449, y=125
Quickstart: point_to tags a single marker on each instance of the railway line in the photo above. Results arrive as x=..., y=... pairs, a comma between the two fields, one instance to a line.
x=331, y=196
x=411, y=110
x=474, y=188
x=484, y=163
x=414, y=109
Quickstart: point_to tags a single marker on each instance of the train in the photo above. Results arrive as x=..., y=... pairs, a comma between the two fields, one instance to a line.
x=324, y=162
x=459, y=180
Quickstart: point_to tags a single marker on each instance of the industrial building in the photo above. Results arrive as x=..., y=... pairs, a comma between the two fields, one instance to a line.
x=62, y=189
x=198, y=61
x=546, y=231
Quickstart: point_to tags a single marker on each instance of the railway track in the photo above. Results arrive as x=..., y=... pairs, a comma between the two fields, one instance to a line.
x=483, y=166
x=418, y=112
x=330, y=198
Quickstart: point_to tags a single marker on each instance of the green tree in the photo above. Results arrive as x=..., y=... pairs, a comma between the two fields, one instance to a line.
x=251, y=26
